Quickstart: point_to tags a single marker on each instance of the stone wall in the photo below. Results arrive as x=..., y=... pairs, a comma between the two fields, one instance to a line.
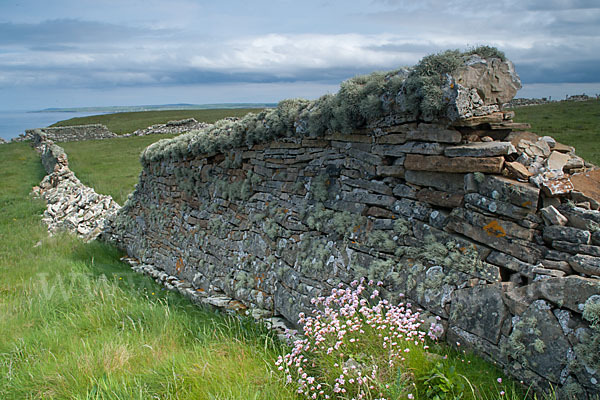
x=170, y=128
x=480, y=223
x=73, y=133
x=70, y=205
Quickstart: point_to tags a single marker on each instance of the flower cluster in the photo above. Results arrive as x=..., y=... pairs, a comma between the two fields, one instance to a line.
x=353, y=344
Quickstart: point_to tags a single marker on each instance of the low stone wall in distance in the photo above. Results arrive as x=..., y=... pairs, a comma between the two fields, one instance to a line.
x=73, y=133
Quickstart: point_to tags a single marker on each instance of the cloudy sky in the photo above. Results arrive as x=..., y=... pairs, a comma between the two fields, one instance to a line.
x=66, y=53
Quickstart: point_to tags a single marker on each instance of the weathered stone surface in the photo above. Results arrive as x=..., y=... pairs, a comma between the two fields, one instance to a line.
x=596, y=238
x=558, y=265
x=557, y=160
x=480, y=149
x=438, y=180
x=528, y=254
x=495, y=206
x=479, y=310
x=537, y=341
x=581, y=218
x=496, y=117
x=392, y=139
x=514, y=264
x=507, y=190
x=515, y=126
x=587, y=183
x=453, y=164
x=415, y=148
x=396, y=171
x=402, y=190
x=569, y=292
x=441, y=199
x=358, y=196
x=412, y=209
x=495, y=80
x=371, y=185
x=434, y=133
x=574, y=248
x=553, y=217
x=494, y=226
x=584, y=264
x=557, y=187
x=566, y=233
x=517, y=170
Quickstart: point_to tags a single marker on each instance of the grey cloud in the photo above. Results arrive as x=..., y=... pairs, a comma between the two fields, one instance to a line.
x=68, y=31
x=582, y=71
x=561, y=4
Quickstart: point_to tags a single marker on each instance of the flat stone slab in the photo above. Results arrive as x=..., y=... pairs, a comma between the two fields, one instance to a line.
x=434, y=133
x=480, y=149
x=441, y=199
x=479, y=310
x=557, y=160
x=585, y=264
x=417, y=162
x=566, y=233
x=587, y=183
x=517, y=249
x=438, y=180
x=518, y=193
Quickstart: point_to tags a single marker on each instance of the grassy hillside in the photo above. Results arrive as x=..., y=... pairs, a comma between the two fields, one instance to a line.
x=574, y=123
x=128, y=122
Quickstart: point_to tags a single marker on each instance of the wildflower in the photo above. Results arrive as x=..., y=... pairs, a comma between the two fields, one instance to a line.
x=499, y=380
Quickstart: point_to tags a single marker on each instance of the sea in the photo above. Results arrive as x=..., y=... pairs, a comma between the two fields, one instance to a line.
x=13, y=123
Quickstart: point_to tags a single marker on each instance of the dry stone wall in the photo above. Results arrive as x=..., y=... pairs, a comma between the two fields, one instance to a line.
x=480, y=223
x=70, y=205
x=72, y=133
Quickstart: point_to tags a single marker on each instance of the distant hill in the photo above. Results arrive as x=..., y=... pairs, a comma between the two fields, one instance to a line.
x=160, y=107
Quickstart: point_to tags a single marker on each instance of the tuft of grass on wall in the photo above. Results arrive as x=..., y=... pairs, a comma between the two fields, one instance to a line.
x=360, y=100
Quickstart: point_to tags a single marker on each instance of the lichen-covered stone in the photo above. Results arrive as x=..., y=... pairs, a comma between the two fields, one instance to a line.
x=567, y=234
x=480, y=149
x=479, y=310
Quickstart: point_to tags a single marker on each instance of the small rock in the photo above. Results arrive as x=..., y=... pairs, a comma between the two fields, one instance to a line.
x=518, y=170
x=549, y=140
x=553, y=217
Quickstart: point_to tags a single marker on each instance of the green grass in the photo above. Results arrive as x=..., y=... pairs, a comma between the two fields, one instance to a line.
x=110, y=166
x=574, y=123
x=128, y=122
x=76, y=323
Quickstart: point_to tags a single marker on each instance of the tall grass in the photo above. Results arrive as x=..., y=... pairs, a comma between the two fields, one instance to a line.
x=76, y=323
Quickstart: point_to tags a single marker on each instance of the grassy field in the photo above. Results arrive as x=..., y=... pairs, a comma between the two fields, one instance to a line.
x=76, y=323
x=574, y=123
x=128, y=122
x=110, y=166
